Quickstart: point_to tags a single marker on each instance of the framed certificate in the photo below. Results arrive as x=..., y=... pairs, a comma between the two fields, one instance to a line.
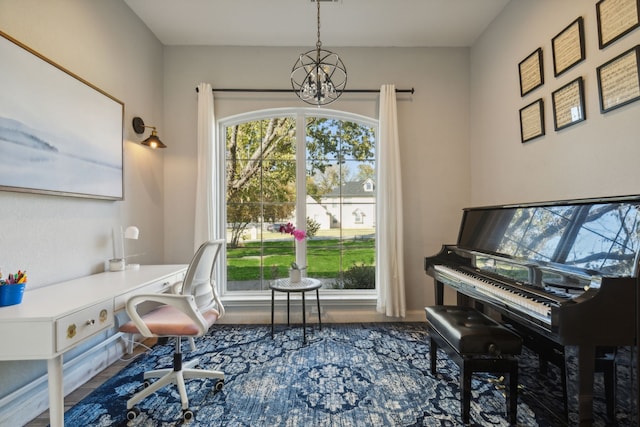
x=616, y=18
x=568, y=104
x=618, y=81
x=531, y=73
x=568, y=47
x=532, y=121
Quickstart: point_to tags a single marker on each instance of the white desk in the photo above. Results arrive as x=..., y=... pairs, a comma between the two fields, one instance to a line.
x=53, y=319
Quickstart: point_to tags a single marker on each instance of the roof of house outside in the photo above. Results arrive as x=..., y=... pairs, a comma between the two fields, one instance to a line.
x=350, y=189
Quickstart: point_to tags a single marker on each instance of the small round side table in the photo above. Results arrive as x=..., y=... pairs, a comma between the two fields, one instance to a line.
x=306, y=284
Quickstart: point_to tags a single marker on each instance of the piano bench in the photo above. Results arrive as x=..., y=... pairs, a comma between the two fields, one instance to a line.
x=476, y=343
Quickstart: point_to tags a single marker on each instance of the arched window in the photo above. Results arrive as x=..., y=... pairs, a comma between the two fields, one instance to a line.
x=311, y=169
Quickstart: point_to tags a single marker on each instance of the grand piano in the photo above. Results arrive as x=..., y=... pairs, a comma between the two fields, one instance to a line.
x=564, y=273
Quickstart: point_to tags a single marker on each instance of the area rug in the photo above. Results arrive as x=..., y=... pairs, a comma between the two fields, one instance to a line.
x=345, y=375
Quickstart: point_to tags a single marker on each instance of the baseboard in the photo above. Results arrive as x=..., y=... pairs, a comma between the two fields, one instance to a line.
x=355, y=315
x=29, y=401
x=25, y=404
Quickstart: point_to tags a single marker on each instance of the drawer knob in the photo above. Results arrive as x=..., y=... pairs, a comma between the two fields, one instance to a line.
x=91, y=322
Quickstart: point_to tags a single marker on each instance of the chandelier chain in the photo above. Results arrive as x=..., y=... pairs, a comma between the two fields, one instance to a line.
x=318, y=43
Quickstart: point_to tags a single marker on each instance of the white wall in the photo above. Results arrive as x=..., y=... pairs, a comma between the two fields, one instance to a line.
x=57, y=238
x=433, y=127
x=597, y=157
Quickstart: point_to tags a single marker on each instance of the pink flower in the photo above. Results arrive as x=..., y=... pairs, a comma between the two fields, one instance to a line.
x=299, y=234
x=290, y=229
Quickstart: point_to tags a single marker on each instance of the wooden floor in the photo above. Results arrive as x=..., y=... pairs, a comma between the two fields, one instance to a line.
x=81, y=392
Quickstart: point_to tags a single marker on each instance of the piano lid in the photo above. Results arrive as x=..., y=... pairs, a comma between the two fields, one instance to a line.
x=601, y=236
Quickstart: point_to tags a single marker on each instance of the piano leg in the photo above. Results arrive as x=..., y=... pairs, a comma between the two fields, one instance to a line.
x=439, y=293
x=586, y=368
x=606, y=363
x=465, y=390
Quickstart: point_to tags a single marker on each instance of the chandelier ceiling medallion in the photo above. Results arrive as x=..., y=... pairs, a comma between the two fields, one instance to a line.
x=319, y=76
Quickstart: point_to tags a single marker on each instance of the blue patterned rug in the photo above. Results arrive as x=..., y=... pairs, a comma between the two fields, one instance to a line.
x=346, y=375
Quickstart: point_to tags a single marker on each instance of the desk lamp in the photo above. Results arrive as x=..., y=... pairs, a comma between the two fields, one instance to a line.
x=119, y=264
x=132, y=232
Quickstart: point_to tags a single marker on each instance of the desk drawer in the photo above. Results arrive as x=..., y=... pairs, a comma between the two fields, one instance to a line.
x=75, y=327
x=159, y=287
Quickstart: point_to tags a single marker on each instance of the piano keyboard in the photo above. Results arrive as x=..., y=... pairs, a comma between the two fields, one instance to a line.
x=540, y=310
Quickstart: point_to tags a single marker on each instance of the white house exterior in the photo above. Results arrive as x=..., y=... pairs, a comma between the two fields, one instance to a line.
x=318, y=213
x=351, y=205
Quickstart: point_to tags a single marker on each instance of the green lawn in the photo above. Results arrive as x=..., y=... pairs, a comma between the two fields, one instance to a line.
x=326, y=258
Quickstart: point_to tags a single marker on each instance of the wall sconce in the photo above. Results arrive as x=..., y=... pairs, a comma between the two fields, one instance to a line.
x=152, y=141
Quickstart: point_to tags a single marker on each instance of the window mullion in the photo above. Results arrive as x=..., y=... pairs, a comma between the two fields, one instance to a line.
x=301, y=187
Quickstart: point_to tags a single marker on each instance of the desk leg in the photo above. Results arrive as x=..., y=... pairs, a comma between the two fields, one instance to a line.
x=304, y=319
x=272, y=303
x=56, y=392
x=318, y=300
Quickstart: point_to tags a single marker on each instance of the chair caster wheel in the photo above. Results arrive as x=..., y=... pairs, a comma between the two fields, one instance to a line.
x=187, y=414
x=219, y=385
x=133, y=413
x=142, y=386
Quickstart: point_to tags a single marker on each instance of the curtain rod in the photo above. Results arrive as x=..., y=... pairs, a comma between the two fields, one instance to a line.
x=411, y=91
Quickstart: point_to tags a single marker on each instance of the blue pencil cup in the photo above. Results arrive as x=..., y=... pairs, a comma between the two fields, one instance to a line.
x=11, y=294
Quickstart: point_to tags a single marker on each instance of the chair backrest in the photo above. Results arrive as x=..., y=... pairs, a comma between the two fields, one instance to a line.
x=199, y=280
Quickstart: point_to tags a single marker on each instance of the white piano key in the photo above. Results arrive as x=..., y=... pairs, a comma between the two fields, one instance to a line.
x=538, y=309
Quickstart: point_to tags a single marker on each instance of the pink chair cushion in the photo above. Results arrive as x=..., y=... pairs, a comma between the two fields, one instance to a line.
x=169, y=321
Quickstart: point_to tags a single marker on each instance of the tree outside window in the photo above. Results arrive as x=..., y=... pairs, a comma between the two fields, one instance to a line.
x=334, y=203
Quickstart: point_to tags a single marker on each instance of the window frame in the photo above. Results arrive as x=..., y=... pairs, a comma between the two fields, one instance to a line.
x=355, y=296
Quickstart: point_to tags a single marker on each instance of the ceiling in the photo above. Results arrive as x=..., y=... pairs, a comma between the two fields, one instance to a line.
x=368, y=23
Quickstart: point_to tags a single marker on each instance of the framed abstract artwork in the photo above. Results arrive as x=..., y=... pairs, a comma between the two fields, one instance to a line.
x=59, y=134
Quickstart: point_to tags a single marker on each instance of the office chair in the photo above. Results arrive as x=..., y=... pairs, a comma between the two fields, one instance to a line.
x=188, y=314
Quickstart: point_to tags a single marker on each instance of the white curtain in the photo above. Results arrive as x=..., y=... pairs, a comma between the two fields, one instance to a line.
x=390, y=271
x=204, y=227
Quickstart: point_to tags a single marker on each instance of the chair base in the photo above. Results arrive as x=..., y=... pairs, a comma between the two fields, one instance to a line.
x=172, y=376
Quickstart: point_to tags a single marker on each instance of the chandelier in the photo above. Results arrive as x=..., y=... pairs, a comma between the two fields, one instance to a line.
x=318, y=77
